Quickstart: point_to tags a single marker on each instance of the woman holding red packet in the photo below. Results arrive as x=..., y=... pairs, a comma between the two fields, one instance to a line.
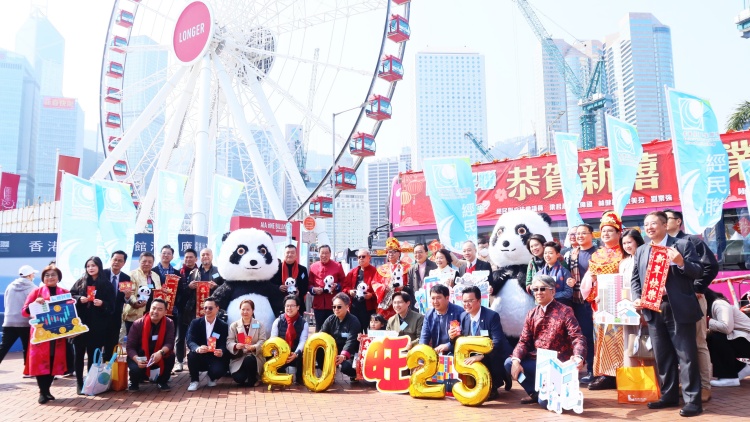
x=96, y=314
x=245, y=342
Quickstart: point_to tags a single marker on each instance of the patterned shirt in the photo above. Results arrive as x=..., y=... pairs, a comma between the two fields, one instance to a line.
x=553, y=329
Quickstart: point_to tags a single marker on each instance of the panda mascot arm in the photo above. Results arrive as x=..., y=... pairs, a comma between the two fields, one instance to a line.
x=247, y=263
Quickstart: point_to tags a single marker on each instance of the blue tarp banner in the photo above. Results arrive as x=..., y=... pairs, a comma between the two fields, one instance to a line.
x=625, y=152
x=170, y=210
x=116, y=218
x=701, y=161
x=450, y=185
x=224, y=195
x=77, y=239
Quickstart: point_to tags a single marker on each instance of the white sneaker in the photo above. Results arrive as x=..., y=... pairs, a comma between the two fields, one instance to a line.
x=178, y=367
x=212, y=383
x=193, y=386
x=744, y=372
x=726, y=382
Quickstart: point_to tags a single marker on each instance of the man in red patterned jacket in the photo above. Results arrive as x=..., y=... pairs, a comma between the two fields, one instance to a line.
x=550, y=325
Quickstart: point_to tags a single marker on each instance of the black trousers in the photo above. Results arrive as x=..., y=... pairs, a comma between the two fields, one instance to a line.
x=83, y=347
x=320, y=317
x=296, y=363
x=10, y=335
x=112, y=338
x=206, y=362
x=248, y=372
x=179, y=343
x=584, y=315
x=44, y=382
x=138, y=375
x=347, y=366
x=675, y=345
x=359, y=310
x=495, y=365
x=724, y=354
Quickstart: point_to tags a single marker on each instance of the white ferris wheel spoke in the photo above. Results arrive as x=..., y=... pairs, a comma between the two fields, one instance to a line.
x=282, y=150
x=336, y=12
x=141, y=122
x=145, y=48
x=204, y=165
x=304, y=60
x=170, y=140
x=259, y=167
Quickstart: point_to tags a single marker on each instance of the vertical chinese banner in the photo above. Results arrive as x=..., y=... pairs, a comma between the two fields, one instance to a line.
x=625, y=152
x=566, y=145
x=170, y=210
x=745, y=166
x=225, y=193
x=450, y=186
x=65, y=165
x=79, y=218
x=116, y=217
x=9, y=190
x=700, y=160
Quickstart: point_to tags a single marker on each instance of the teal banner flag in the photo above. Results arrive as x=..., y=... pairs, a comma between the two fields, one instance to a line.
x=566, y=145
x=701, y=161
x=224, y=195
x=170, y=210
x=450, y=186
x=79, y=223
x=625, y=152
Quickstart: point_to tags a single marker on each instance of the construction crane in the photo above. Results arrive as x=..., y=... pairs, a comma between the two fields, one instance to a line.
x=480, y=147
x=590, y=99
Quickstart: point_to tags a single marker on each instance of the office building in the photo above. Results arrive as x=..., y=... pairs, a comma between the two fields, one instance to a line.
x=19, y=117
x=638, y=66
x=380, y=174
x=352, y=220
x=44, y=48
x=450, y=100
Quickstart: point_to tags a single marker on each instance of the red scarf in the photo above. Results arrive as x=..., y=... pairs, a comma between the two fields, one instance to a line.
x=146, y=336
x=291, y=332
x=285, y=271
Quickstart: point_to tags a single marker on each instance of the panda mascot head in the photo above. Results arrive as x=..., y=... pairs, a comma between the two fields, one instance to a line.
x=508, y=251
x=248, y=265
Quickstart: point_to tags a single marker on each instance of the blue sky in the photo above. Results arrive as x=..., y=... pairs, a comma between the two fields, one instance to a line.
x=710, y=58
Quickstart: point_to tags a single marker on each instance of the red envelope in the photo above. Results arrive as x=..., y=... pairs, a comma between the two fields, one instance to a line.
x=241, y=338
x=455, y=324
x=249, y=340
x=124, y=286
x=211, y=344
x=91, y=292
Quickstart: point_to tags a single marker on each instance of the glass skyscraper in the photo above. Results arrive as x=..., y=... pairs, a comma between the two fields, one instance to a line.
x=451, y=100
x=638, y=66
x=44, y=48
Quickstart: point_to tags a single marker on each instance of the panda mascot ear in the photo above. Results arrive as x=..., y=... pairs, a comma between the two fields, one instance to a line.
x=547, y=219
x=223, y=238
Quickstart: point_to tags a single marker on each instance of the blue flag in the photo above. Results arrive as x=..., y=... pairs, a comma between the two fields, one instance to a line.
x=170, y=210
x=450, y=185
x=79, y=220
x=225, y=193
x=625, y=152
x=116, y=217
x=701, y=161
x=566, y=145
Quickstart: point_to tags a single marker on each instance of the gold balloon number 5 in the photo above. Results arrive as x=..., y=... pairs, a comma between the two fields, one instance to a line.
x=418, y=387
x=272, y=365
x=464, y=347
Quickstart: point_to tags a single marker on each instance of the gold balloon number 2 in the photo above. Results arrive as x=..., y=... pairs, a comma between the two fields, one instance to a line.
x=272, y=365
x=464, y=347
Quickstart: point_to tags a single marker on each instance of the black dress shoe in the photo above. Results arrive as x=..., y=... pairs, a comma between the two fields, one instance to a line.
x=42, y=399
x=493, y=394
x=534, y=398
x=133, y=387
x=604, y=383
x=661, y=404
x=691, y=410
x=164, y=386
x=508, y=382
x=49, y=396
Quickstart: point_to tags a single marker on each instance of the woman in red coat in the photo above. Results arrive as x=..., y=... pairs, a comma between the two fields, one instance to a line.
x=46, y=359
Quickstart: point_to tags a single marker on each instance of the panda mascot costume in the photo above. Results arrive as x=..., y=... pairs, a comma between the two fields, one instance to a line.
x=247, y=263
x=508, y=252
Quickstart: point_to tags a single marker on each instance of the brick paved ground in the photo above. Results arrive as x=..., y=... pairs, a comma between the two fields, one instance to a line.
x=225, y=402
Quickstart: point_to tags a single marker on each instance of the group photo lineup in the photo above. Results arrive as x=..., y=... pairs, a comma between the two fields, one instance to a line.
x=314, y=209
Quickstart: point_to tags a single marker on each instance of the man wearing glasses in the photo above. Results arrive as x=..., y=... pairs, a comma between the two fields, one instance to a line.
x=421, y=269
x=362, y=307
x=207, y=355
x=480, y=321
x=550, y=325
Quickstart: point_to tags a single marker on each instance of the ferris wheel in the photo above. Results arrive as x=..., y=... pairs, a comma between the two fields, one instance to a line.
x=242, y=88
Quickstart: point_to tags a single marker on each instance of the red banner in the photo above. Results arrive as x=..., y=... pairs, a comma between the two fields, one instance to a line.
x=9, y=190
x=534, y=184
x=65, y=164
x=656, y=278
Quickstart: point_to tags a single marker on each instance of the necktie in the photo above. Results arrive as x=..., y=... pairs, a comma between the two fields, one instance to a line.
x=474, y=327
x=114, y=281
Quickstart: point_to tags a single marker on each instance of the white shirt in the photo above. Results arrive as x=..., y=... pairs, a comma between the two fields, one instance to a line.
x=422, y=269
x=474, y=319
x=209, y=328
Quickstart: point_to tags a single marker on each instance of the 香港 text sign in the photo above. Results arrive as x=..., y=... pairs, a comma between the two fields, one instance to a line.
x=534, y=183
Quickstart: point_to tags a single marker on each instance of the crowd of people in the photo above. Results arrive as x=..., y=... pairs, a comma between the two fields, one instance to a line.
x=695, y=332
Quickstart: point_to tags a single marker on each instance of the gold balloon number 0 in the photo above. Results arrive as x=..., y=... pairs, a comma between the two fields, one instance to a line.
x=316, y=341
x=464, y=347
x=272, y=365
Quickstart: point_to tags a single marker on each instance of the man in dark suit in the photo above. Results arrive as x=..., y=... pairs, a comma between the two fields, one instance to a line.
x=290, y=268
x=472, y=262
x=115, y=275
x=420, y=269
x=477, y=320
x=710, y=268
x=438, y=319
x=201, y=357
x=672, y=330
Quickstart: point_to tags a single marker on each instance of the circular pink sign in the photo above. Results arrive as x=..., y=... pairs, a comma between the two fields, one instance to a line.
x=192, y=33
